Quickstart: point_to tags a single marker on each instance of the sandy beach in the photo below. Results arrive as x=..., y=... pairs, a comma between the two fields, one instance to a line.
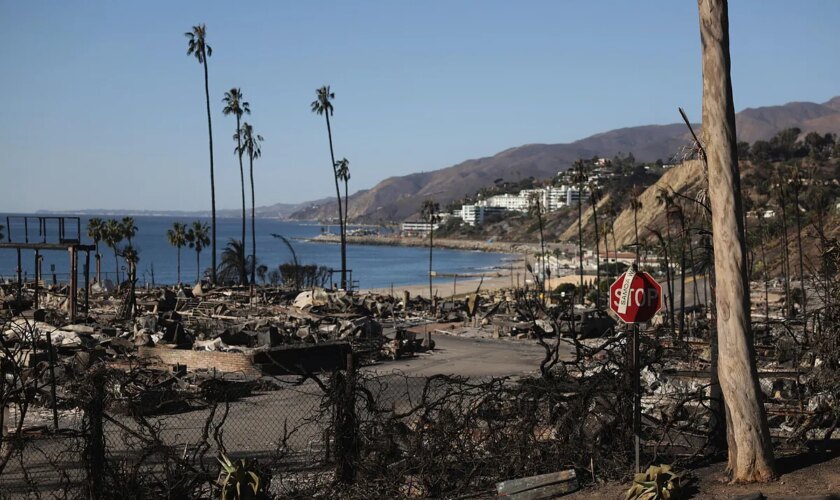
x=516, y=275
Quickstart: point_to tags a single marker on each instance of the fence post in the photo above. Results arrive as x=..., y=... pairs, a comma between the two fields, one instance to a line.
x=95, y=445
x=345, y=424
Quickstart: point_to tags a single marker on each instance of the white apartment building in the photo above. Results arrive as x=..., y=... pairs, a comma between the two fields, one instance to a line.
x=516, y=202
x=417, y=228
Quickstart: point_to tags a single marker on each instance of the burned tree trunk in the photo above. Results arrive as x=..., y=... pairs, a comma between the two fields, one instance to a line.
x=750, y=449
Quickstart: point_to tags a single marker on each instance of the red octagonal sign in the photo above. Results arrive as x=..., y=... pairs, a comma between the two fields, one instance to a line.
x=635, y=297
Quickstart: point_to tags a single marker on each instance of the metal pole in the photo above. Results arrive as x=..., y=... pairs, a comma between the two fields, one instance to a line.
x=52, y=381
x=87, y=281
x=71, y=293
x=19, y=277
x=37, y=274
x=637, y=398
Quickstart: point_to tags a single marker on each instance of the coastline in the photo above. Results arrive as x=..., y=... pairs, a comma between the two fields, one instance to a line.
x=474, y=245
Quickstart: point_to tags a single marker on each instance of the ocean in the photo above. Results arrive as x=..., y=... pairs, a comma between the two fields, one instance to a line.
x=372, y=266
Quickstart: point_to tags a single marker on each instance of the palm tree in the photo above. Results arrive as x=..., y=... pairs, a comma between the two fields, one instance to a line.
x=236, y=105
x=251, y=143
x=430, y=212
x=112, y=236
x=342, y=170
x=177, y=237
x=2, y=227
x=198, y=239
x=95, y=229
x=198, y=47
x=233, y=266
x=129, y=229
x=262, y=269
x=322, y=105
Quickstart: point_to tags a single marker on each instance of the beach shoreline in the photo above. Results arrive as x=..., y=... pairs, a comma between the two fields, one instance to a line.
x=453, y=244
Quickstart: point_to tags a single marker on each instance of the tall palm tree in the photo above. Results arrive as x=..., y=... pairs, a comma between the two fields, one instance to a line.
x=197, y=239
x=177, y=237
x=95, y=229
x=197, y=46
x=322, y=105
x=112, y=236
x=664, y=199
x=236, y=105
x=251, y=143
x=431, y=214
x=129, y=228
x=342, y=170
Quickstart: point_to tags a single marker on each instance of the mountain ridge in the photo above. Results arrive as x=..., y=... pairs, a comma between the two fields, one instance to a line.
x=397, y=198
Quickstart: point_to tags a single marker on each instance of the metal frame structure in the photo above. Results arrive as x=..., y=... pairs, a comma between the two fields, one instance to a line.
x=51, y=241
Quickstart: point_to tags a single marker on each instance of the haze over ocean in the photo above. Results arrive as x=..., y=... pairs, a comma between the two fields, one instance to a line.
x=373, y=266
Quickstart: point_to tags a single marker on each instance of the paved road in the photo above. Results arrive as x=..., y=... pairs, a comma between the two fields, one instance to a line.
x=471, y=358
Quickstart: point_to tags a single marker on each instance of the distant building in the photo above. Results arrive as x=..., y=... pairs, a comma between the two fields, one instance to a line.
x=417, y=228
x=515, y=202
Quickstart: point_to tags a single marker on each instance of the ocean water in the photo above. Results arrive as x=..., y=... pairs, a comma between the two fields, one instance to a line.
x=372, y=266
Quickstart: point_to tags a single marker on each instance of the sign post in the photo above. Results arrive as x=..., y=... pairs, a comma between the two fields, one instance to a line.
x=635, y=298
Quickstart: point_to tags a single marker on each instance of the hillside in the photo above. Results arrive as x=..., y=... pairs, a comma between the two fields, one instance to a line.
x=399, y=198
x=687, y=179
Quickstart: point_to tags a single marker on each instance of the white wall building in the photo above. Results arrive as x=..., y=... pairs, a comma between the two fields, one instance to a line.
x=417, y=228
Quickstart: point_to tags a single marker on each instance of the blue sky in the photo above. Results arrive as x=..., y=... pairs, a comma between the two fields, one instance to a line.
x=105, y=110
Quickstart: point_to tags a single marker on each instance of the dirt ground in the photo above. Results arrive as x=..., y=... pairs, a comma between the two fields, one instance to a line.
x=802, y=477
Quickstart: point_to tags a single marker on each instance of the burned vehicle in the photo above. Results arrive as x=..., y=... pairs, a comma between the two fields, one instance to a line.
x=586, y=323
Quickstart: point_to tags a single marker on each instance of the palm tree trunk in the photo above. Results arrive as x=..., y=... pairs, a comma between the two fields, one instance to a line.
x=179, y=265
x=212, y=174
x=766, y=285
x=615, y=245
x=117, y=266
x=340, y=213
x=636, y=227
x=253, y=226
x=242, y=183
x=750, y=448
x=607, y=252
x=346, y=211
x=431, y=246
x=693, y=266
x=198, y=267
x=670, y=276
x=597, y=258
x=580, y=241
x=98, y=262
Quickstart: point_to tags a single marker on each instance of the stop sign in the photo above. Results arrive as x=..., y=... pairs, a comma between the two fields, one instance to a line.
x=635, y=297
